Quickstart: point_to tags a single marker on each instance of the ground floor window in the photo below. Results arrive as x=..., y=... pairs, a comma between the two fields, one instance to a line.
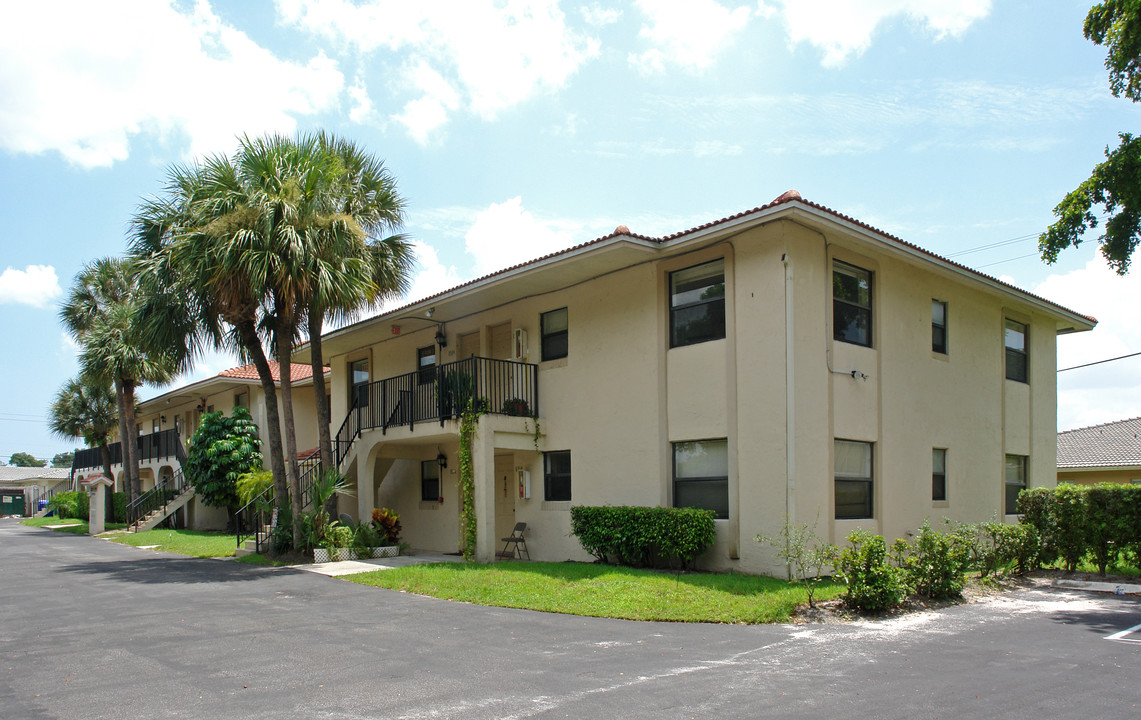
x=701, y=475
x=939, y=475
x=430, y=480
x=557, y=476
x=853, y=477
x=1015, y=482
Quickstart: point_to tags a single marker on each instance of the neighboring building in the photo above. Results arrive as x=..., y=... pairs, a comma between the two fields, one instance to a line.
x=166, y=423
x=1101, y=453
x=22, y=488
x=787, y=360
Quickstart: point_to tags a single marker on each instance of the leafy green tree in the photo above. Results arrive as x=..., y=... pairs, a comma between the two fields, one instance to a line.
x=86, y=410
x=222, y=450
x=63, y=459
x=1115, y=184
x=23, y=459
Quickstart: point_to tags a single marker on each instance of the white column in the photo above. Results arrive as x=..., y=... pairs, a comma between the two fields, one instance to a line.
x=483, y=470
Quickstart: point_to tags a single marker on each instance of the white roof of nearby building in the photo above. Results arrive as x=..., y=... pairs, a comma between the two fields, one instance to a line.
x=18, y=474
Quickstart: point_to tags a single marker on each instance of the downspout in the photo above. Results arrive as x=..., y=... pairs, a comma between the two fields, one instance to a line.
x=789, y=407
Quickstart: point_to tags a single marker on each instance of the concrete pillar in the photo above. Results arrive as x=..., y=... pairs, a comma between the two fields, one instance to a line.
x=96, y=503
x=483, y=470
x=366, y=484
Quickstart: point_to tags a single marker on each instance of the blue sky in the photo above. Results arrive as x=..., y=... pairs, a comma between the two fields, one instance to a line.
x=518, y=128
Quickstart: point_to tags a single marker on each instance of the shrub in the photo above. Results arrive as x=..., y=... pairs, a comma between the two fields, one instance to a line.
x=873, y=583
x=1037, y=508
x=119, y=507
x=365, y=537
x=71, y=504
x=222, y=449
x=252, y=484
x=639, y=536
x=936, y=564
x=999, y=546
x=1071, y=533
x=805, y=553
x=387, y=525
x=1107, y=523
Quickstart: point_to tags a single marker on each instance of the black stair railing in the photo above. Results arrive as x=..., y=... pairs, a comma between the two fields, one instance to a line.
x=251, y=520
x=157, y=498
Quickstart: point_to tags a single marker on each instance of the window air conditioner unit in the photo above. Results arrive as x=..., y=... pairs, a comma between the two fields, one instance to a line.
x=519, y=344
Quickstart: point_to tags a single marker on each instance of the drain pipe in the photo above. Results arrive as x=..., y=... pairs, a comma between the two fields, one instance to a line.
x=789, y=405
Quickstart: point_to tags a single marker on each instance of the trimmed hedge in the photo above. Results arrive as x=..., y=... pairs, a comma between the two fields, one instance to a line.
x=1102, y=520
x=643, y=536
x=119, y=502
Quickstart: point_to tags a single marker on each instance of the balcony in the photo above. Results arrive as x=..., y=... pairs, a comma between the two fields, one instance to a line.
x=498, y=387
x=155, y=446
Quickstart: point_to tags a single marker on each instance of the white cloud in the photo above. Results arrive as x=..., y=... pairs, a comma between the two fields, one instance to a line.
x=35, y=285
x=361, y=111
x=599, y=16
x=1110, y=391
x=688, y=33
x=433, y=276
x=843, y=28
x=491, y=56
x=505, y=234
x=83, y=78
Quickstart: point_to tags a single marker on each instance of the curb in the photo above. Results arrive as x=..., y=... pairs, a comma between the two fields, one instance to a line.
x=1105, y=587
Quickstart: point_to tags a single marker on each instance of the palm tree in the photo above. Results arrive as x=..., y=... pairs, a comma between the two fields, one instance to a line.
x=350, y=264
x=100, y=314
x=194, y=250
x=87, y=410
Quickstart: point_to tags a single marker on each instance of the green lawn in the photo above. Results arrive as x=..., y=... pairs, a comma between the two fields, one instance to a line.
x=74, y=526
x=183, y=542
x=604, y=591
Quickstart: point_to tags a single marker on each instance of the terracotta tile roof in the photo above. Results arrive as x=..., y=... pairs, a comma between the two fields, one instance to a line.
x=1111, y=444
x=298, y=372
x=789, y=196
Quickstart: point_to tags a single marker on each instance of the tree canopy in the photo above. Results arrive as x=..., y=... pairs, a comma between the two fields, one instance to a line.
x=23, y=459
x=1114, y=185
x=222, y=449
x=62, y=460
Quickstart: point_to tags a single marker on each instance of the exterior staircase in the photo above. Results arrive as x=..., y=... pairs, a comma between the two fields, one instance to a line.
x=156, y=516
x=256, y=543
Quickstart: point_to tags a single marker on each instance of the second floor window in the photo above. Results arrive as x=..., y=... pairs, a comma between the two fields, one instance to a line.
x=1017, y=359
x=697, y=304
x=851, y=304
x=553, y=325
x=939, y=327
x=426, y=364
x=358, y=382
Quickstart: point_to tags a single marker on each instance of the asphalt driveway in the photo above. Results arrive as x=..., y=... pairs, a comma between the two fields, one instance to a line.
x=90, y=629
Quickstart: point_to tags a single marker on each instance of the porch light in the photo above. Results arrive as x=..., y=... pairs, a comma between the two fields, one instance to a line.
x=442, y=460
x=441, y=336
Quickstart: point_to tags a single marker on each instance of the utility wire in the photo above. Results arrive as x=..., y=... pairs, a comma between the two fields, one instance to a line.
x=1099, y=362
x=1020, y=257
x=1001, y=243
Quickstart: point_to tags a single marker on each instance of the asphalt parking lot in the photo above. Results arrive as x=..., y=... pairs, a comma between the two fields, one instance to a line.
x=90, y=629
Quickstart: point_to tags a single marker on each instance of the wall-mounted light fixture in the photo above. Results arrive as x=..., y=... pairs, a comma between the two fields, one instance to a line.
x=441, y=336
x=162, y=419
x=442, y=460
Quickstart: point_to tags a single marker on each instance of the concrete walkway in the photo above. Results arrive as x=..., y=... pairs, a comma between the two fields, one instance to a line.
x=352, y=567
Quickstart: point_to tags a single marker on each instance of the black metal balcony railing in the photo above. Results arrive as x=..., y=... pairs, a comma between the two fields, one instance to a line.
x=162, y=444
x=501, y=387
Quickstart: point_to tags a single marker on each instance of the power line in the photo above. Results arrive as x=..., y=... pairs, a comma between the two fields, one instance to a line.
x=1020, y=257
x=990, y=246
x=1099, y=362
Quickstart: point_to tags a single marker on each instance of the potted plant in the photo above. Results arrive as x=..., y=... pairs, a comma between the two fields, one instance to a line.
x=517, y=407
x=386, y=523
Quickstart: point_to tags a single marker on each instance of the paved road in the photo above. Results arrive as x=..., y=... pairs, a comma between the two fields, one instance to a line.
x=90, y=629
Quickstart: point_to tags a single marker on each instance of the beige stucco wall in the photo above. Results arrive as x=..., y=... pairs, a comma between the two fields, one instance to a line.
x=622, y=396
x=1091, y=476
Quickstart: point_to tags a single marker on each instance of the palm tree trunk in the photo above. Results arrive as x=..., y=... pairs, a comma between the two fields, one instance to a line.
x=131, y=449
x=324, y=412
x=284, y=367
x=252, y=344
x=124, y=474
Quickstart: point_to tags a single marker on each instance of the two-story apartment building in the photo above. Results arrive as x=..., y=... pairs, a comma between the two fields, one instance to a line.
x=787, y=361
x=166, y=422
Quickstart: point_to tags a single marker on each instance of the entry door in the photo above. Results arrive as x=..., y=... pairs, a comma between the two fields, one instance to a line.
x=500, y=341
x=505, y=492
x=469, y=345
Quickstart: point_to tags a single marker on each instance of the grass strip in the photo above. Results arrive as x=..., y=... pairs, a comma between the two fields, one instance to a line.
x=183, y=542
x=40, y=522
x=605, y=591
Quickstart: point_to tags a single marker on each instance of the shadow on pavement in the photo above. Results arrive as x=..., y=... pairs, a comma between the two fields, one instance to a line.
x=159, y=570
